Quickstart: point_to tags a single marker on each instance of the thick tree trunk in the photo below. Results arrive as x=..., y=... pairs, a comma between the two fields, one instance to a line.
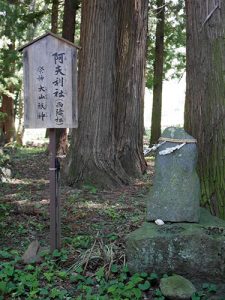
x=68, y=32
x=93, y=148
x=158, y=73
x=205, y=101
x=130, y=85
x=100, y=150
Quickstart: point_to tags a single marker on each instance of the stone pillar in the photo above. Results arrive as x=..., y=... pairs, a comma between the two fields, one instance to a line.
x=175, y=194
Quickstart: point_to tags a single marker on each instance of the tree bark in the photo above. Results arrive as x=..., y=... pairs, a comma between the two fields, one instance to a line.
x=8, y=124
x=205, y=101
x=69, y=18
x=20, y=129
x=130, y=85
x=158, y=73
x=55, y=16
x=103, y=147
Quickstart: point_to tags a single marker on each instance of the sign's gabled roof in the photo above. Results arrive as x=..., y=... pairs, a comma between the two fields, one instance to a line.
x=46, y=34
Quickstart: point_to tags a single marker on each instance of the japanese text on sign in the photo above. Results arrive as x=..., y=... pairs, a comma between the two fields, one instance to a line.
x=42, y=95
x=59, y=93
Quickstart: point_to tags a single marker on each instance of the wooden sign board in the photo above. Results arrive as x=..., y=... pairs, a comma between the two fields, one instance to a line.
x=50, y=83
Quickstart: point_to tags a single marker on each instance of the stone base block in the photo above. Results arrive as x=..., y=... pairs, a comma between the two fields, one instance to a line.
x=189, y=249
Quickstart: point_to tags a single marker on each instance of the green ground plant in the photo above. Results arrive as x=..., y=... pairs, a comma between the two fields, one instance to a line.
x=44, y=281
x=52, y=280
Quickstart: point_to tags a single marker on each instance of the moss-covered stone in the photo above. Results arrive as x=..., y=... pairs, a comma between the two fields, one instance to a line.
x=177, y=287
x=193, y=249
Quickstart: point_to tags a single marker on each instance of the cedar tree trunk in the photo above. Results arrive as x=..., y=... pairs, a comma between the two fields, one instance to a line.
x=205, y=96
x=130, y=85
x=158, y=74
x=7, y=126
x=69, y=18
x=55, y=16
x=108, y=138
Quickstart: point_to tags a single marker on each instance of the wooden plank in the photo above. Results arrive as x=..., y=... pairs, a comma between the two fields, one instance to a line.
x=55, y=222
x=50, y=84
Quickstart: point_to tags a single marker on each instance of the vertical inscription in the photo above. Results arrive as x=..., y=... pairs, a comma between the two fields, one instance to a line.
x=42, y=94
x=58, y=82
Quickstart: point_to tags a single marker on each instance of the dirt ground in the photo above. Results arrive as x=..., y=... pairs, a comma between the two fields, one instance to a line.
x=86, y=212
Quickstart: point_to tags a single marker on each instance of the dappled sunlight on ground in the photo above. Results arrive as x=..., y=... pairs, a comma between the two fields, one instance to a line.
x=85, y=211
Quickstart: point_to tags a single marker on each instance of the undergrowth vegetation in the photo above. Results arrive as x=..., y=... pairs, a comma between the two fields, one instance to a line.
x=51, y=279
x=92, y=262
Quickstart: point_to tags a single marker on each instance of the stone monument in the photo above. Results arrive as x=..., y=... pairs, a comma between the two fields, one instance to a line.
x=189, y=241
x=176, y=189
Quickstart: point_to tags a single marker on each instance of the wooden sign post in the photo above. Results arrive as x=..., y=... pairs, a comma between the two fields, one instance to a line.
x=50, y=101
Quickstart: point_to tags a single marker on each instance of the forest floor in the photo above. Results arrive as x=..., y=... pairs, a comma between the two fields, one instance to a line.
x=94, y=226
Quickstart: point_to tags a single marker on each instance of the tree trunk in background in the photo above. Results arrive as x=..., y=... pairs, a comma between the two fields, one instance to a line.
x=130, y=85
x=68, y=32
x=205, y=101
x=31, y=27
x=158, y=73
x=69, y=18
x=20, y=129
x=99, y=147
x=55, y=16
x=8, y=125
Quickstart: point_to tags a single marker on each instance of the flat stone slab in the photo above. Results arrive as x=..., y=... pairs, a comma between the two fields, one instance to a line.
x=191, y=249
x=175, y=194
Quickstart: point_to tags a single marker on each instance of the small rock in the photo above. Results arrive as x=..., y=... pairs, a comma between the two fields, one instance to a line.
x=5, y=174
x=31, y=254
x=177, y=287
x=159, y=222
